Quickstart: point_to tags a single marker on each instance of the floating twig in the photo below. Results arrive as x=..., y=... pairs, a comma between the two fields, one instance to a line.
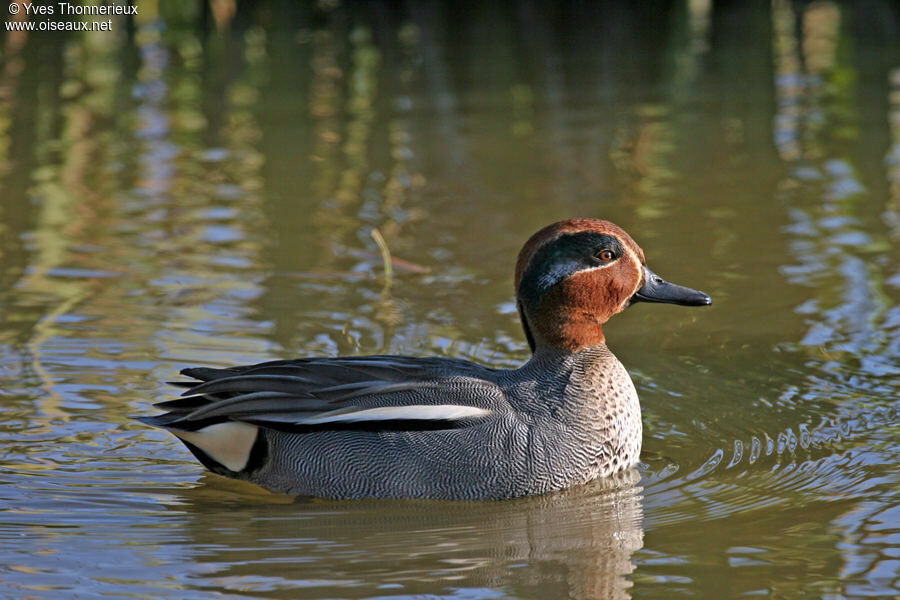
x=385, y=258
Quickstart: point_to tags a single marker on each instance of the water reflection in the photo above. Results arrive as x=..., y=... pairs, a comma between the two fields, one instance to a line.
x=842, y=406
x=230, y=536
x=200, y=187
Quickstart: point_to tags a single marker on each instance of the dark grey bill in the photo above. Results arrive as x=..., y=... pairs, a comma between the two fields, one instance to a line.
x=657, y=289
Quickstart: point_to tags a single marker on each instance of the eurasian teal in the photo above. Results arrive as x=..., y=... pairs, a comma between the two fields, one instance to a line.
x=395, y=426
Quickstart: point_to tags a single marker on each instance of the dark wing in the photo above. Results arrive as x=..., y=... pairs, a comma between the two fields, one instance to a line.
x=315, y=394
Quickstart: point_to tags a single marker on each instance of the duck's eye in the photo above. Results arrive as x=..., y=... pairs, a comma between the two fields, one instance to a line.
x=605, y=256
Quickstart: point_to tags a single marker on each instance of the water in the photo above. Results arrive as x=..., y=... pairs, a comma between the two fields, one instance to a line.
x=200, y=188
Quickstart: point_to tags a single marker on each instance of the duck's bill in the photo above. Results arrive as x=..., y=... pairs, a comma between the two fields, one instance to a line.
x=657, y=289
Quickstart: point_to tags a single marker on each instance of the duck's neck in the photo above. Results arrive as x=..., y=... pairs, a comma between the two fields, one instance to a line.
x=547, y=352
x=574, y=335
x=569, y=331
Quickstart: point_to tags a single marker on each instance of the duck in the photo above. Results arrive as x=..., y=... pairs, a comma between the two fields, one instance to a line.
x=386, y=426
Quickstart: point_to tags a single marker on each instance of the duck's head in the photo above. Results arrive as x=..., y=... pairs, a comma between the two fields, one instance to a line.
x=572, y=276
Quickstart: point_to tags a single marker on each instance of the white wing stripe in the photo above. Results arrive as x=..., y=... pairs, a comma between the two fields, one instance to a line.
x=417, y=412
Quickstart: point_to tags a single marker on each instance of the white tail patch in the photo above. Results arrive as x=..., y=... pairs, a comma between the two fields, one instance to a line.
x=228, y=444
x=416, y=412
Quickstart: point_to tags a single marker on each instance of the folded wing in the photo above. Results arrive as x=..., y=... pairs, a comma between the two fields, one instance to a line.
x=316, y=394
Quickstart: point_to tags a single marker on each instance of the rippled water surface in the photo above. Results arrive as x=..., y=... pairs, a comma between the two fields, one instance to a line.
x=200, y=185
